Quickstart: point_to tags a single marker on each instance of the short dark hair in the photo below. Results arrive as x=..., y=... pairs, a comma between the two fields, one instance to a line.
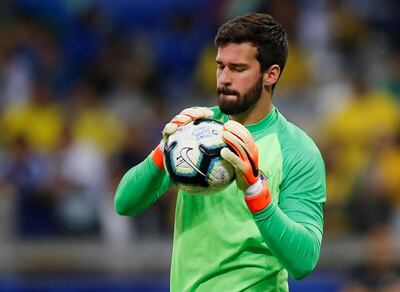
x=262, y=31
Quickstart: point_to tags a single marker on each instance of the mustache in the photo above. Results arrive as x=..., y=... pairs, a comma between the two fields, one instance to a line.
x=226, y=91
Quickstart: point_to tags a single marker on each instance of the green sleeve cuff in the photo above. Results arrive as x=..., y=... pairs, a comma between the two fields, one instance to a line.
x=266, y=212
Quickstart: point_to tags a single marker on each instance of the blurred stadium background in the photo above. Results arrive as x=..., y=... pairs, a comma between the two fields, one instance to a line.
x=86, y=87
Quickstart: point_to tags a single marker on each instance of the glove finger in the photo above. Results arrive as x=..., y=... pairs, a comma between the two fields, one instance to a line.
x=237, y=163
x=243, y=135
x=235, y=143
x=232, y=158
x=168, y=130
x=238, y=130
x=249, y=168
x=197, y=112
x=181, y=119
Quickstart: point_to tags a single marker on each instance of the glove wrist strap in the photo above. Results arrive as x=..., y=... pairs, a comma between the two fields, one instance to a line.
x=260, y=200
x=254, y=189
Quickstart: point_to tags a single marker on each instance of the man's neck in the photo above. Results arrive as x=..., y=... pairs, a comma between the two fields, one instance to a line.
x=259, y=111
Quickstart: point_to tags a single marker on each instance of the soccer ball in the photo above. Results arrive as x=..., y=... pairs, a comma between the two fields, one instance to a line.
x=192, y=157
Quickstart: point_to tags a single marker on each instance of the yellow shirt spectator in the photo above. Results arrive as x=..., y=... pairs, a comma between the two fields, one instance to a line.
x=351, y=135
x=364, y=120
x=39, y=123
x=97, y=124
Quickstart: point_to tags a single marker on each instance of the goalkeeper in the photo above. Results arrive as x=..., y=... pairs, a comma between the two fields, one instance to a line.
x=269, y=223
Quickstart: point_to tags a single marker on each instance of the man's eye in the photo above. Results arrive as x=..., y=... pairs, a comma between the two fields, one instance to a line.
x=221, y=67
x=238, y=69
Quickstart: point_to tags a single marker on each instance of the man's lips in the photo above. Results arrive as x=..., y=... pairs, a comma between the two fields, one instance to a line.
x=228, y=95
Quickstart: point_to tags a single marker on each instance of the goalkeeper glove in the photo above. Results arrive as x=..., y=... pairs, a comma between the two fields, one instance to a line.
x=245, y=161
x=183, y=118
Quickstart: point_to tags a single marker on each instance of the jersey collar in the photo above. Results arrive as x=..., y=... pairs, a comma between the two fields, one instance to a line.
x=266, y=122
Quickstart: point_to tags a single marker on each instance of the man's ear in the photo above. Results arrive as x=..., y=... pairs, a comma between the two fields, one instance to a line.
x=271, y=76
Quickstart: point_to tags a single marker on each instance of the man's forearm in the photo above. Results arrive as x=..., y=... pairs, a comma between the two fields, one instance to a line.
x=141, y=186
x=296, y=245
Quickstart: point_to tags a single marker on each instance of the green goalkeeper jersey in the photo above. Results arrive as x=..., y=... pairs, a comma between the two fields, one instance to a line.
x=219, y=245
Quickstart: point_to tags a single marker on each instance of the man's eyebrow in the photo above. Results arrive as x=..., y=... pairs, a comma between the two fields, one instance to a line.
x=244, y=65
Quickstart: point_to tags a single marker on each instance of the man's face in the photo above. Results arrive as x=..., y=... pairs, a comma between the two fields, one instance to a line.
x=239, y=81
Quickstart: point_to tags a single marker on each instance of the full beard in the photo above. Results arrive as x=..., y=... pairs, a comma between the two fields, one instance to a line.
x=236, y=103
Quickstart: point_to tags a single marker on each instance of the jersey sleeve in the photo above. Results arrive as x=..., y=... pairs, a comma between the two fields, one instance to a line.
x=140, y=187
x=293, y=227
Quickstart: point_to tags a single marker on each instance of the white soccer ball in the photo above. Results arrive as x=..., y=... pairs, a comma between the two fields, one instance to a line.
x=192, y=158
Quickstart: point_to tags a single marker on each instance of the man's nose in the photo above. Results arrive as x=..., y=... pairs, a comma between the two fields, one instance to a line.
x=225, y=77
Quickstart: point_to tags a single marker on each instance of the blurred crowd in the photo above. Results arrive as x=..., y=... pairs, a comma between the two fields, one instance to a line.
x=86, y=87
